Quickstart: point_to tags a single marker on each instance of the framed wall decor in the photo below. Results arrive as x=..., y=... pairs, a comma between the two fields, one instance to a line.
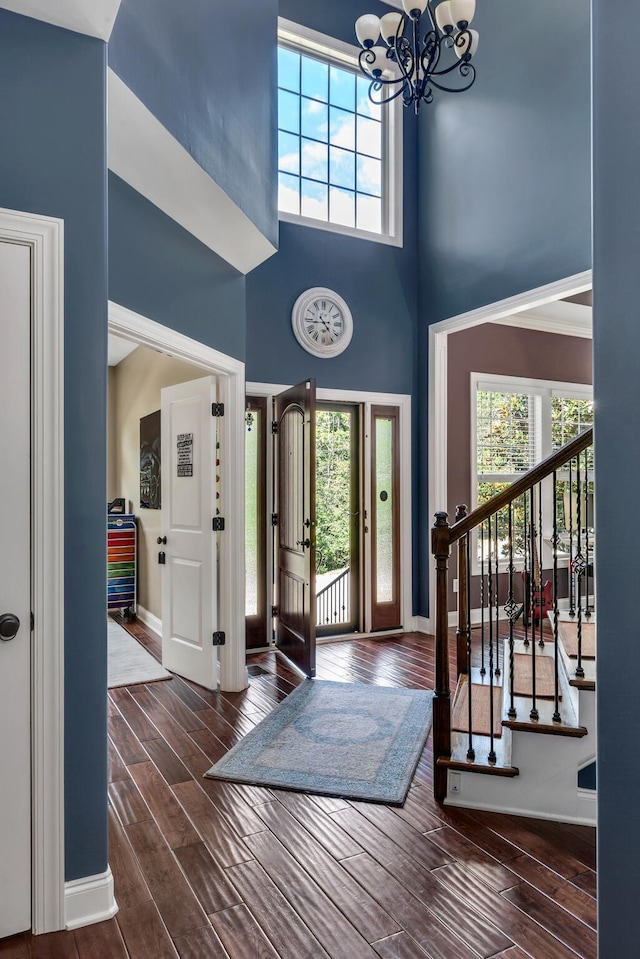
x=150, y=461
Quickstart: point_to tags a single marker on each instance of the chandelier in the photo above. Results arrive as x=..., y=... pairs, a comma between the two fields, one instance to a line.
x=417, y=52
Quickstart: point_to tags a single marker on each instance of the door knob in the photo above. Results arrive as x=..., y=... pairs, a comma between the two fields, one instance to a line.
x=9, y=626
x=161, y=541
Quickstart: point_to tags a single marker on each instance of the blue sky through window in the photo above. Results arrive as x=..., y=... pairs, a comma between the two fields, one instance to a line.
x=329, y=144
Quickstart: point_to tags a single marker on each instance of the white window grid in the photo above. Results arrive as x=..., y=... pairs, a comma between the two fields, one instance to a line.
x=543, y=396
x=336, y=53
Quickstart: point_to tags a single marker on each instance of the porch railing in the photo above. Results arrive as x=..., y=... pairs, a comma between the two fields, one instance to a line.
x=332, y=602
x=525, y=568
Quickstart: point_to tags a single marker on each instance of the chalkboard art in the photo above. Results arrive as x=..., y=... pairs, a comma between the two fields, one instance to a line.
x=150, y=461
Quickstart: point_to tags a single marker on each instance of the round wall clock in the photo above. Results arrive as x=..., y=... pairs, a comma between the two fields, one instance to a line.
x=322, y=322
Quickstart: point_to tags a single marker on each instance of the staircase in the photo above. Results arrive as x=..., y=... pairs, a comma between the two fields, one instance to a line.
x=518, y=734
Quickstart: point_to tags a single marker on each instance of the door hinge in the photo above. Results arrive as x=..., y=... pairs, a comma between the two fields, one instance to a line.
x=275, y=611
x=274, y=427
x=218, y=638
x=217, y=524
x=32, y=622
x=274, y=519
x=217, y=409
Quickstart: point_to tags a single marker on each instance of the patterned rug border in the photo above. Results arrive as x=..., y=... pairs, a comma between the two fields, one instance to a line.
x=403, y=754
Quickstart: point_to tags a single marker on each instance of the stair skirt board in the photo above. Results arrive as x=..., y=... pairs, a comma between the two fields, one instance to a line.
x=545, y=675
x=584, y=814
x=480, y=709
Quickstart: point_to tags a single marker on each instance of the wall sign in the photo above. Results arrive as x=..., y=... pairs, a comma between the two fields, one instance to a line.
x=185, y=454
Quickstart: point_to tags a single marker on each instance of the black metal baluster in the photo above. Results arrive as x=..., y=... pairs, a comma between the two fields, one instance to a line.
x=471, y=753
x=587, y=608
x=491, y=759
x=526, y=574
x=497, y=671
x=511, y=609
x=533, y=714
x=540, y=568
x=580, y=567
x=482, y=601
x=555, y=540
x=572, y=585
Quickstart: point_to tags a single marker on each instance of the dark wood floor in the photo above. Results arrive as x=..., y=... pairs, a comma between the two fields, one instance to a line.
x=208, y=869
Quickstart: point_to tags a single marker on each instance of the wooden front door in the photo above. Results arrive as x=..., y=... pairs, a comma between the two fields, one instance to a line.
x=294, y=415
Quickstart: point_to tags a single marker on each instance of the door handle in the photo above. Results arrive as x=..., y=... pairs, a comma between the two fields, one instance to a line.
x=305, y=543
x=161, y=541
x=9, y=626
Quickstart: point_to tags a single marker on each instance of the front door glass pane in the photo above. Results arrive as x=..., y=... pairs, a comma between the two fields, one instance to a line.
x=384, y=493
x=334, y=526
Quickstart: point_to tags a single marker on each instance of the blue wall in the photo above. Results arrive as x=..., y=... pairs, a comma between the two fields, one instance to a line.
x=53, y=162
x=377, y=281
x=158, y=269
x=616, y=329
x=505, y=167
x=505, y=180
x=207, y=72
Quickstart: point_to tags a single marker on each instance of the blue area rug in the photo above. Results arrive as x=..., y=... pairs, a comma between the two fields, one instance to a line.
x=336, y=739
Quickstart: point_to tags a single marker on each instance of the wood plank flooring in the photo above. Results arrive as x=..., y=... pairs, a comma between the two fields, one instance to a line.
x=204, y=868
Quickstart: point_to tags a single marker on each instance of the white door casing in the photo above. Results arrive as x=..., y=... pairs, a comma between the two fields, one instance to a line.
x=189, y=585
x=231, y=391
x=15, y=590
x=366, y=401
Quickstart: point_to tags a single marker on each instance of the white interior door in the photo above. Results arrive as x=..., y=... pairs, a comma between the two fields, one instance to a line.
x=189, y=588
x=15, y=590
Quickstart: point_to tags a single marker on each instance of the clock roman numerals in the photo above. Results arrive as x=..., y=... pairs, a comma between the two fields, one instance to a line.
x=322, y=322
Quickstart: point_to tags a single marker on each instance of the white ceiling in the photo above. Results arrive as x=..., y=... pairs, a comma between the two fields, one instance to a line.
x=118, y=349
x=92, y=17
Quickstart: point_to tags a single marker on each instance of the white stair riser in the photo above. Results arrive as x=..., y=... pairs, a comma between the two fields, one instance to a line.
x=547, y=786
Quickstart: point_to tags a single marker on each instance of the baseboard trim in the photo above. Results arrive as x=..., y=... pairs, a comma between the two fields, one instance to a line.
x=588, y=818
x=89, y=900
x=476, y=617
x=149, y=619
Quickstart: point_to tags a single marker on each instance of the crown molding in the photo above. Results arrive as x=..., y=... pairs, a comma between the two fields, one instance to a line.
x=519, y=304
x=95, y=19
x=547, y=324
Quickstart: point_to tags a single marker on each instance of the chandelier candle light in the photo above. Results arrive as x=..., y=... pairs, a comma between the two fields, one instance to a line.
x=408, y=64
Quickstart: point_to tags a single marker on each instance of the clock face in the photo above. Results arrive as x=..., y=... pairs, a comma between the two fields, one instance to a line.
x=322, y=322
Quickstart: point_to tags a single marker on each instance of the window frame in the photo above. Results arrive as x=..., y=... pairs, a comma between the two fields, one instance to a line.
x=544, y=391
x=303, y=40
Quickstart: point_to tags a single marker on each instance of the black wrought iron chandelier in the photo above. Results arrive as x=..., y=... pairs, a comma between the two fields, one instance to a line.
x=421, y=50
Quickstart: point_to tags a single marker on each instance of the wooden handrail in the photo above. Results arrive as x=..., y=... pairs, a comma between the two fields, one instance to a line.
x=531, y=478
x=443, y=537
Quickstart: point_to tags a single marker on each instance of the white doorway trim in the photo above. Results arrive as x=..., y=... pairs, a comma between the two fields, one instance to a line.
x=503, y=311
x=44, y=235
x=403, y=401
x=140, y=329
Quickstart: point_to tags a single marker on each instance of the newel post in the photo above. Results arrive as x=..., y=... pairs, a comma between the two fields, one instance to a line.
x=440, y=547
x=462, y=654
